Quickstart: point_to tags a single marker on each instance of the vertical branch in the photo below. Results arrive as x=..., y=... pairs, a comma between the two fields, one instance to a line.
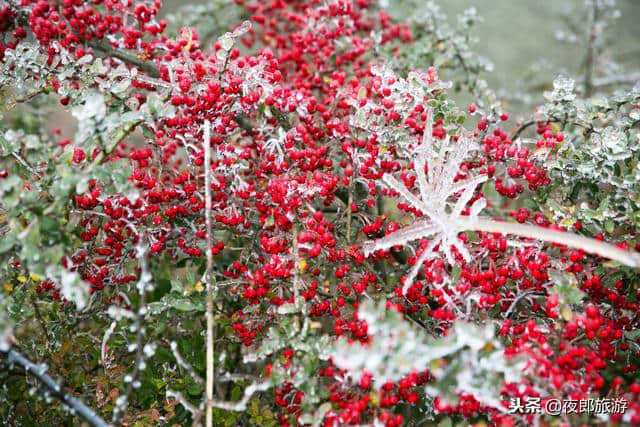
x=296, y=264
x=210, y=381
x=349, y=214
x=591, y=40
x=143, y=286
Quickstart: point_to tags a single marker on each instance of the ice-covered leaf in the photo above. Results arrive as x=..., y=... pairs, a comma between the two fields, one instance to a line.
x=563, y=89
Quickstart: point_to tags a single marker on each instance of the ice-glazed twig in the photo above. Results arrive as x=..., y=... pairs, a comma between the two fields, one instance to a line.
x=572, y=240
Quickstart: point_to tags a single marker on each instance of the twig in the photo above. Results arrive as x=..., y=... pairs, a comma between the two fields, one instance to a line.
x=186, y=365
x=142, y=285
x=55, y=389
x=240, y=405
x=210, y=319
x=590, y=58
x=296, y=262
x=524, y=126
x=349, y=214
x=109, y=50
x=24, y=163
x=40, y=320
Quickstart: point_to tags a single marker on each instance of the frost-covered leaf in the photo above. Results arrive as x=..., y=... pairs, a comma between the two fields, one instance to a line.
x=563, y=89
x=397, y=348
x=93, y=108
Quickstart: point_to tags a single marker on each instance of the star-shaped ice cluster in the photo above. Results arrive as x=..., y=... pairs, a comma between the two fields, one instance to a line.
x=441, y=199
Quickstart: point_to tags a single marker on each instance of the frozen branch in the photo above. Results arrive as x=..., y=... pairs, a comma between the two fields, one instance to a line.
x=53, y=388
x=185, y=365
x=296, y=261
x=240, y=405
x=143, y=285
x=592, y=246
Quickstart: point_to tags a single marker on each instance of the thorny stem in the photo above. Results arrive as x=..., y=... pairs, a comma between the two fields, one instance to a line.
x=55, y=389
x=124, y=132
x=24, y=163
x=524, y=126
x=184, y=364
x=210, y=380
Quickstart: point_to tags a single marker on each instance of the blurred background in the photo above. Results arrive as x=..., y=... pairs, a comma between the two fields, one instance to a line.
x=520, y=37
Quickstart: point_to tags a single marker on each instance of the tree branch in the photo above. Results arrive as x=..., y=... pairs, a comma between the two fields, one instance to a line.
x=55, y=389
x=576, y=241
x=108, y=50
x=210, y=376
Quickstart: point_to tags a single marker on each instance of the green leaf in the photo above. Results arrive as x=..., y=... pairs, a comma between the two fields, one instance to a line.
x=184, y=304
x=455, y=272
x=566, y=286
x=609, y=226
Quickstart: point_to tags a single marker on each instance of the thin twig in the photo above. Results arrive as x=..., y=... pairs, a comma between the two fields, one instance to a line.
x=296, y=266
x=142, y=285
x=109, y=50
x=186, y=365
x=592, y=35
x=210, y=379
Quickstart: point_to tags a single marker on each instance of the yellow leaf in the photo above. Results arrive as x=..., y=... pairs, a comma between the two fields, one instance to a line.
x=374, y=398
x=198, y=287
x=567, y=222
x=566, y=313
x=541, y=150
x=362, y=93
x=436, y=364
x=315, y=325
x=187, y=47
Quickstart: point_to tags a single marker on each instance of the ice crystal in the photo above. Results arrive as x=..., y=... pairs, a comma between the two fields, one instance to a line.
x=438, y=187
